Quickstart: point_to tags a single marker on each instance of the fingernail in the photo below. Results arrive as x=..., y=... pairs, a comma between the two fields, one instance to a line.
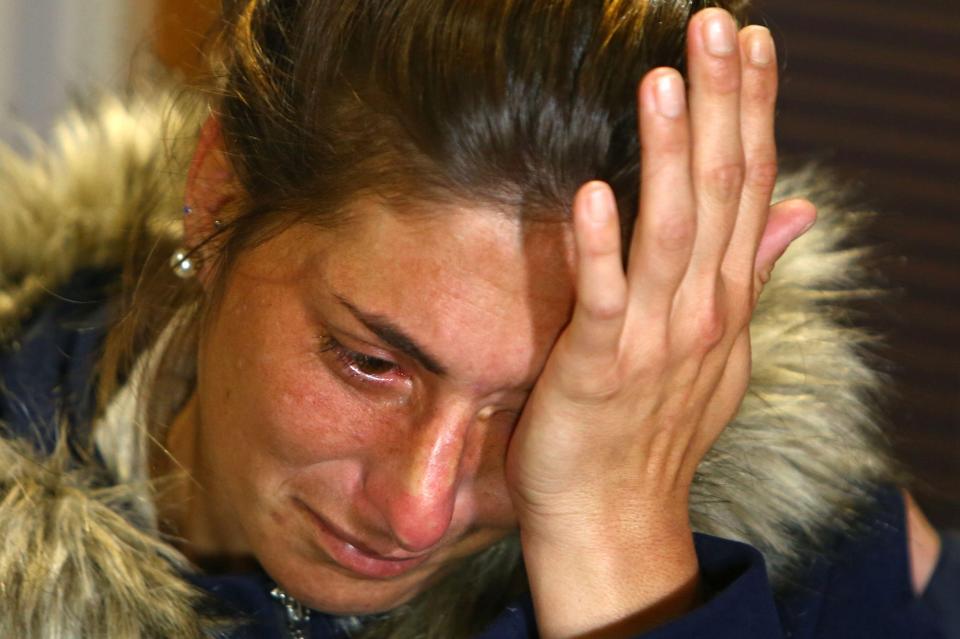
x=670, y=96
x=806, y=228
x=761, y=48
x=720, y=35
x=599, y=211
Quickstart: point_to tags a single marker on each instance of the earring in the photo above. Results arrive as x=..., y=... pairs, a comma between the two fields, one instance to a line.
x=182, y=264
x=187, y=210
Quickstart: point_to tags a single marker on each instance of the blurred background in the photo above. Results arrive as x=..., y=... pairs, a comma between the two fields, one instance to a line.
x=870, y=89
x=55, y=48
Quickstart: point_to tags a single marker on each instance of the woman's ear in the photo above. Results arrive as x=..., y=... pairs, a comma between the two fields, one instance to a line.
x=211, y=186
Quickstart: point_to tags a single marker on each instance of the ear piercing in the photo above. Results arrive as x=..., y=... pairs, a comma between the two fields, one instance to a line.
x=187, y=210
x=182, y=264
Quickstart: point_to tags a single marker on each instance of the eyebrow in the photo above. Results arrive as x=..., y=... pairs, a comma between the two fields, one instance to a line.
x=391, y=334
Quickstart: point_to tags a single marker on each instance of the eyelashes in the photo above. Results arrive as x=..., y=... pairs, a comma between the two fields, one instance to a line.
x=359, y=365
x=383, y=377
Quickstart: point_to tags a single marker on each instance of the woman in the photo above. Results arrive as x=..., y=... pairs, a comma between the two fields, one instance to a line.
x=433, y=292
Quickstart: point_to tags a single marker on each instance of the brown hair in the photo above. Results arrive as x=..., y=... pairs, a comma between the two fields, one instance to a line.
x=506, y=103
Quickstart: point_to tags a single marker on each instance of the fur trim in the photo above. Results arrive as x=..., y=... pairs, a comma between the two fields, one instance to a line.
x=804, y=456
x=73, y=566
x=69, y=206
x=801, y=458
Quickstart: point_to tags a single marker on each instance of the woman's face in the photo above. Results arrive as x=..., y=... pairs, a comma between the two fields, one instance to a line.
x=357, y=391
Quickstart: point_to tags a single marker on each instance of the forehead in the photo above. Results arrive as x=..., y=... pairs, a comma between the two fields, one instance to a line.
x=485, y=292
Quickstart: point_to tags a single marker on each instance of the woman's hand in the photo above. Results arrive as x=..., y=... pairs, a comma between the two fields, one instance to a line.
x=655, y=360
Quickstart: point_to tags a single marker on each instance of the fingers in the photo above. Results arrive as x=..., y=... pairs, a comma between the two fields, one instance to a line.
x=708, y=171
x=757, y=106
x=788, y=220
x=718, y=163
x=667, y=223
x=594, y=330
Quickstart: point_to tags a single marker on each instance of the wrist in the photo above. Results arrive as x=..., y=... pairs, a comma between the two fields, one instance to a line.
x=588, y=523
x=614, y=580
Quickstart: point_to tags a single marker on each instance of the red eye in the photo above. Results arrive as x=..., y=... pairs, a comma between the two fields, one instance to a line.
x=368, y=365
x=361, y=365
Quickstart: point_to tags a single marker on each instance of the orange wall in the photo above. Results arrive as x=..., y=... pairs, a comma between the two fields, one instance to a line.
x=179, y=29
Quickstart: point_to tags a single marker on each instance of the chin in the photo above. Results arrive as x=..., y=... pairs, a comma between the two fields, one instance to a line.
x=328, y=589
x=316, y=577
x=327, y=574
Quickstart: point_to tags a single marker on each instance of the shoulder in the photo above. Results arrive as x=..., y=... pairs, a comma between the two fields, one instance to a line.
x=861, y=586
x=57, y=499
x=943, y=590
x=857, y=588
x=109, y=167
x=47, y=366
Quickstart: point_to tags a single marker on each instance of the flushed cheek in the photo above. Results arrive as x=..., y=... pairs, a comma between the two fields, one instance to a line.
x=324, y=433
x=310, y=436
x=270, y=417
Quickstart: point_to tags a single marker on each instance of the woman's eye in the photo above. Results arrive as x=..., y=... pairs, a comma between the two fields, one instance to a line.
x=356, y=363
x=369, y=365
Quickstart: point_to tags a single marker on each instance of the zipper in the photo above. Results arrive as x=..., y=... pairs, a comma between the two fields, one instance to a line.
x=296, y=615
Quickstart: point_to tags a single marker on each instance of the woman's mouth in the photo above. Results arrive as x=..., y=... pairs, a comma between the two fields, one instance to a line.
x=355, y=556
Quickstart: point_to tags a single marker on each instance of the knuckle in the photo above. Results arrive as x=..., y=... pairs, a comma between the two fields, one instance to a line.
x=606, y=308
x=724, y=78
x=601, y=249
x=741, y=293
x=738, y=288
x=710, y=329
x=598, y=390
x=760, y=90
x=723, y=182
x=675, y=234
x=673, y=142
x=762, y=174
x=601, y=385
x=744, y=312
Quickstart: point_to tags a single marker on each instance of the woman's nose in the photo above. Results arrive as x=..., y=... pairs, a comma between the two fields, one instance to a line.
x=417, y=490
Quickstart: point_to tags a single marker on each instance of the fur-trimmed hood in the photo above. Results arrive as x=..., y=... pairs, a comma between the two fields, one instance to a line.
x=800, y=459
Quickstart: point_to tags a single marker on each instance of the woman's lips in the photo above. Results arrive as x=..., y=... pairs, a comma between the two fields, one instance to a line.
x=354, y=556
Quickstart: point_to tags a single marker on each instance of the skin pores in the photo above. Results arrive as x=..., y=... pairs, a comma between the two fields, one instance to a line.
x=354, y=466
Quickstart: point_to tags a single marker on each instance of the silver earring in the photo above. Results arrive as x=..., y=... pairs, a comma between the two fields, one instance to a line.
x=187, y=210
x=218, y=225
x=182, y=264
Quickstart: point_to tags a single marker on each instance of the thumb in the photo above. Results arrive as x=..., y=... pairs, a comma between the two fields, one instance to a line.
x=787, y=221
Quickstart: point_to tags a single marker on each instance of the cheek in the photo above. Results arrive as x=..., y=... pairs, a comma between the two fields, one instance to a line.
x=292, y=409
x=271, y=406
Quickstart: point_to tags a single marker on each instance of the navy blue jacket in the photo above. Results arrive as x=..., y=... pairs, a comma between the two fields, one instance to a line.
x=859, y=589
